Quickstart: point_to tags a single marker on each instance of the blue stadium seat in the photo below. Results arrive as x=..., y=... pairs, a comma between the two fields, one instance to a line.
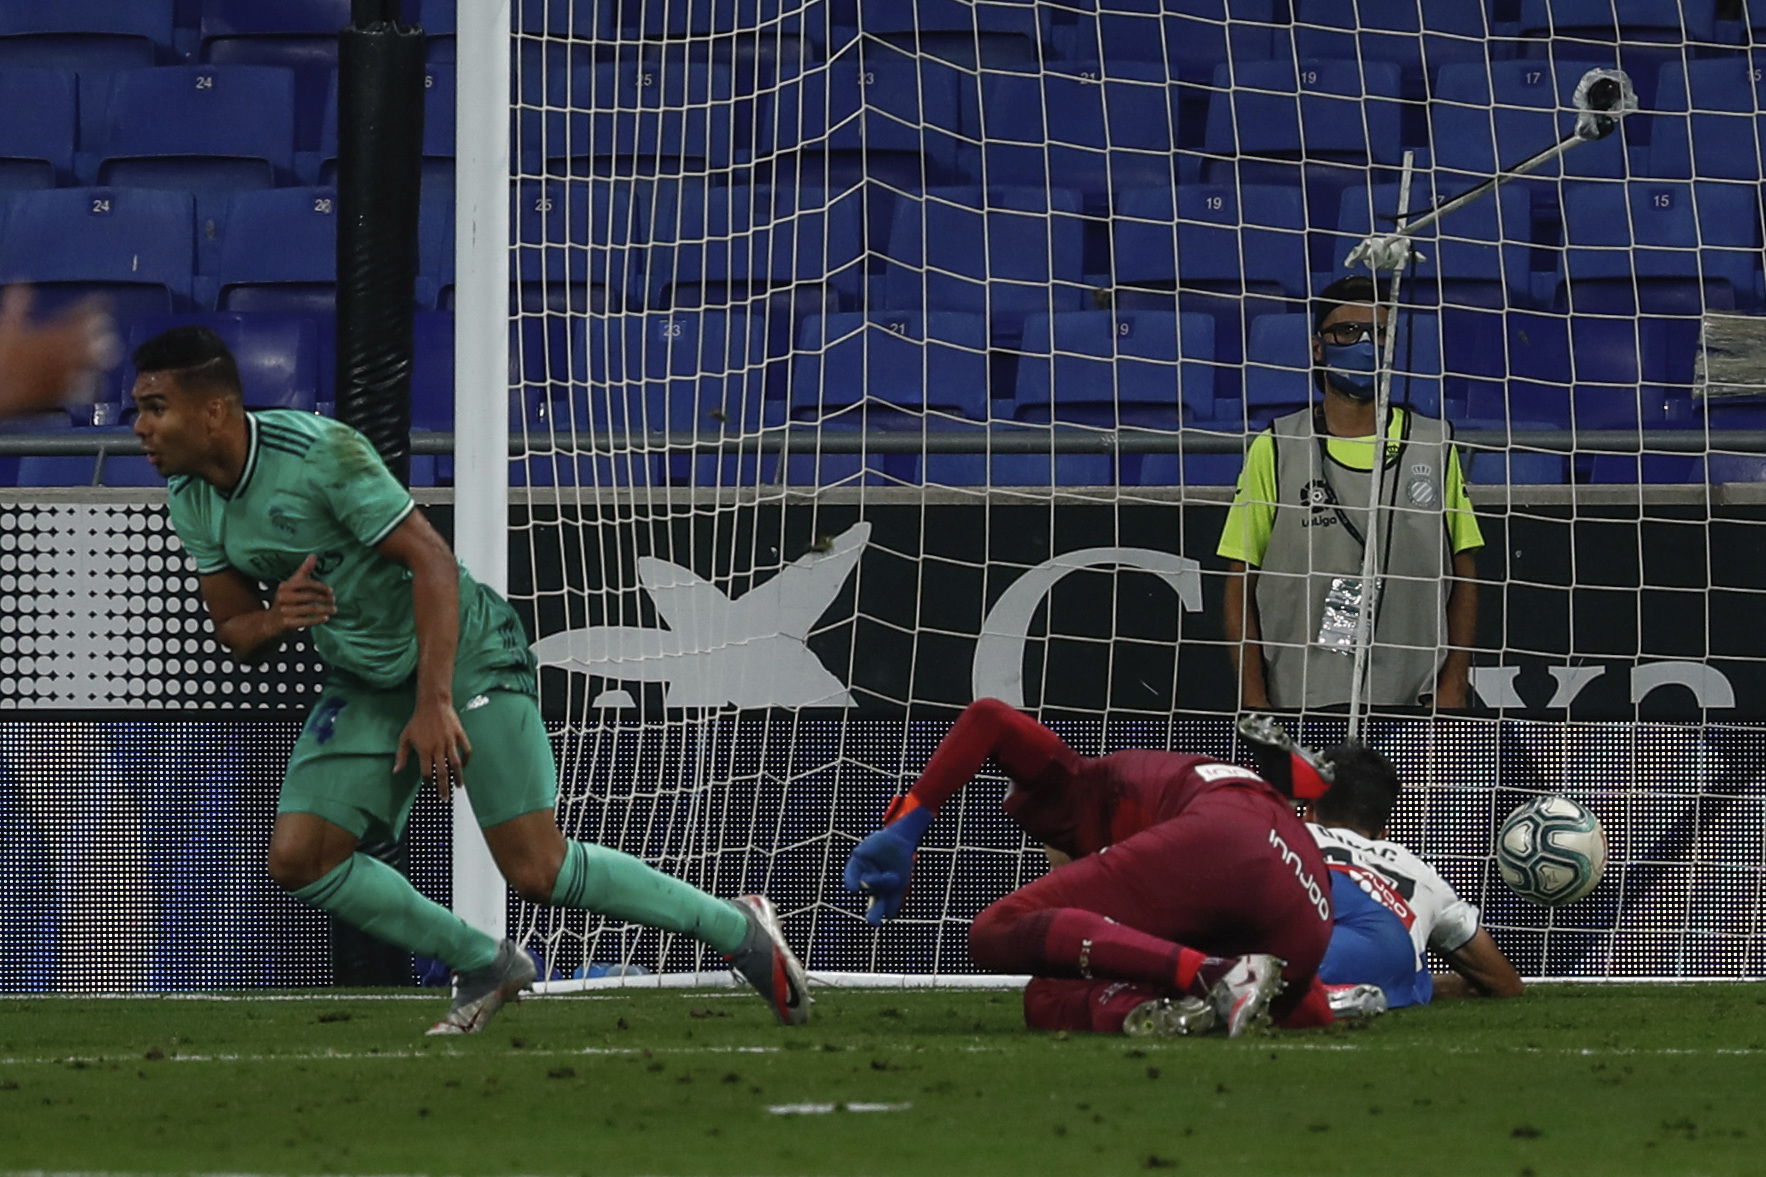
x=1418, y=38
x=435, y=239
x=1081, y=125
x=1637, y=248
x=892, y=364
x=1613, y=20
x=202, y=127
x=601, y=219
x=1708, y=125
x=38, y=133
x=1116, y=368
x=136, y=246
x=1187, y=37
x=678, y=372
x=85, y=34
x=1479, y=255
x=1347, y=111
x=872, y=113
x=277, y=251
x=1017, y=252
x=298, y=34
x=721, y=245
x=432, y=392
x=1484, y=116
x=1226, y=239
x=998, y=35
x=1278, y=368
x=623, y=119
x=278, y=355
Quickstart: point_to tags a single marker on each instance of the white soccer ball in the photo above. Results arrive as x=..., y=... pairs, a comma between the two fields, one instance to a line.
x=1551, y=851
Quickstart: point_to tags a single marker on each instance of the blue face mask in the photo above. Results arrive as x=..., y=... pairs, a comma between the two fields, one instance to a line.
x=1350, y=369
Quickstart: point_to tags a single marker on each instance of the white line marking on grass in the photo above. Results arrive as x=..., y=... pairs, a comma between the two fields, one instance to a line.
x=367, y=1055
x=823, y=1109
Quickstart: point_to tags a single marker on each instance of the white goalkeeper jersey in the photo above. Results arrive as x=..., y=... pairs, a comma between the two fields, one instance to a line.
x=1403, y=884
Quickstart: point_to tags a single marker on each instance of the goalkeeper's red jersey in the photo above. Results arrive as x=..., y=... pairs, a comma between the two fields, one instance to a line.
x=1081, y=808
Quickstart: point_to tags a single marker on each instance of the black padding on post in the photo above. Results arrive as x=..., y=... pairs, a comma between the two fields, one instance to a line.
x=380, y=88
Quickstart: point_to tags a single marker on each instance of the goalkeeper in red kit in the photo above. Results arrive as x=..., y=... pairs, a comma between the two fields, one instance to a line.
x=1188, y=894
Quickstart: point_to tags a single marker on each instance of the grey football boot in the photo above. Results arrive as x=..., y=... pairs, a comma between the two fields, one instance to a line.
x=1169, y=1017
x=480, y=993
x=766, y=962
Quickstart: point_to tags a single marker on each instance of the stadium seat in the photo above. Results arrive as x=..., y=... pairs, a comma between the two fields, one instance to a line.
x=135, y=246
x=1278, y=367
x=1006, y=253
x=720, y=245
x=432, y=392
x=702, y=373
x=195, y=128
x=1223, y=238
x=1486, y=116
x=278, y=355
x=38, y=134
x=1419, y=39
x=1116, y=368
x=1187, y=37
x=601, y=219
x=298, y=34
x=91, y=35
x=623, y=119
x=893, y=364
x=1644, y=35
x=1346, y=111
x=1637, y=247
x=276, y=251
x=990, y=36
x=435, y=239
x=872, y=113
x=1478, y=255
x=1708, y=125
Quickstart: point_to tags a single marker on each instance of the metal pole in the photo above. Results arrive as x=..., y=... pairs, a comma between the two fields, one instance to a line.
x=1370, y=559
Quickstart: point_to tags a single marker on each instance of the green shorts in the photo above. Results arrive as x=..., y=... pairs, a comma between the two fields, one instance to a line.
x=341, y=768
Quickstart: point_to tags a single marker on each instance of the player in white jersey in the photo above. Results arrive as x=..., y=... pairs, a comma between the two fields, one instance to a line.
x=1389, y=906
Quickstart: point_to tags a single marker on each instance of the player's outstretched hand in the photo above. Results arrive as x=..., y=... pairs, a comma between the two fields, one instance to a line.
x=302, y=601
x=438, y=743
x=43, y=366
x=881, y=864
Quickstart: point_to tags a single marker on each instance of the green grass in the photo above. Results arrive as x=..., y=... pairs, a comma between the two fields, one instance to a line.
x=1568, y=1080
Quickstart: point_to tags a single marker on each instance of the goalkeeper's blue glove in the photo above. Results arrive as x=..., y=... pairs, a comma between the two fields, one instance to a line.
x=880, y=864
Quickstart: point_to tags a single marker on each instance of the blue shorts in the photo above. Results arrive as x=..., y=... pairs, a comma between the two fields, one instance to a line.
x=1371, y=946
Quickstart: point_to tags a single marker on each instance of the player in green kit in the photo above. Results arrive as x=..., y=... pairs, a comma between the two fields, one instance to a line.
x=430, y=678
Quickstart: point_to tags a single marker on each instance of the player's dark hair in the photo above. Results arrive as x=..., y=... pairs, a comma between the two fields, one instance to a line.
x=1364, y=792
x=198, y=358
x=1357, y=288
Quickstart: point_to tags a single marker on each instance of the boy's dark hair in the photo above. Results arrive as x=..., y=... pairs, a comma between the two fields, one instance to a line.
x=1355, y=288
x=1364, y=792
x=198, y=357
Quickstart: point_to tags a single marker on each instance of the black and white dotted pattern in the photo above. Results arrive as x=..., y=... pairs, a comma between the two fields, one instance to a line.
x=100, y=607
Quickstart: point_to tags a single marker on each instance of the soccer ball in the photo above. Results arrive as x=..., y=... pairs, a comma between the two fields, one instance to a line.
x=1551, y=851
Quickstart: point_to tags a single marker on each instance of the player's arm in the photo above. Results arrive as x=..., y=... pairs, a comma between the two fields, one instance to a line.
x=1479, y=970
x=44, y=365
x=1453, y=689
x=434, y=735
x=1244, y=636
x=253, y=631
x=986, y=730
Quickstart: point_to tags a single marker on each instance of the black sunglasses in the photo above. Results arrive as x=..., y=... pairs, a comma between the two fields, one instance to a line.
x=1344, y=334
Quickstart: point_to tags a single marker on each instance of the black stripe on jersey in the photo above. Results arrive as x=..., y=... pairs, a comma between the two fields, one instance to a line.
x=293, y=442
x=271, y=443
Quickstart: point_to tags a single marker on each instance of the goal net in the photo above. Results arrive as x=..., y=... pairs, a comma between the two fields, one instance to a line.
x=868, y=358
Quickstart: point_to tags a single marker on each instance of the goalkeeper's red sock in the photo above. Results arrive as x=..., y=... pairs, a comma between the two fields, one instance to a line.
x=1087, y=1007
x=1071, y=942
x=988, y=729
x=1314, y=1009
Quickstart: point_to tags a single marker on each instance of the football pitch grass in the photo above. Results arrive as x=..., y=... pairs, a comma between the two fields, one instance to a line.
x=1567, y=1080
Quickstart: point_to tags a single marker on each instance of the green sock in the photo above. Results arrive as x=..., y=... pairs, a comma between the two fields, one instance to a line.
x=609, y=883
x=369, y=894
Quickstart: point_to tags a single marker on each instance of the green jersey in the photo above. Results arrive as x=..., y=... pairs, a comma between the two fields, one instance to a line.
x=314, y=486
